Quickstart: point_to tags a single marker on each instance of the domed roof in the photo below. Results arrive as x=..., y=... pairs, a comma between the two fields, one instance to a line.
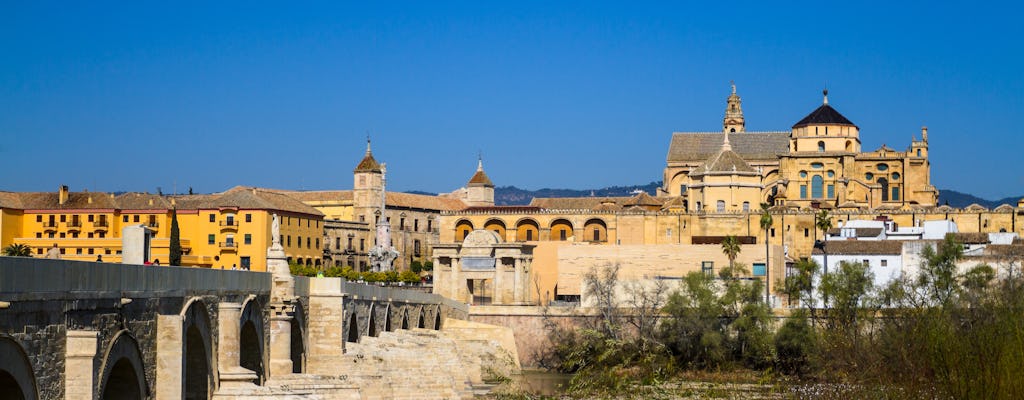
x=824, y=115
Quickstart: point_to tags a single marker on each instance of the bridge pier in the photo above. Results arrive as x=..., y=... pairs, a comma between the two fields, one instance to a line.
x=232, y=375
x=169, y=353
x=324, y=324
x=79, y=354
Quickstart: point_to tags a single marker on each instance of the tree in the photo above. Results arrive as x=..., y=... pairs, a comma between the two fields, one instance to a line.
x=823, y=222
x=731, y=248
x=766, y=224
x=799, y=283
x=175, y=246
x=938, y=274
x=849, y=287
x=18, y=250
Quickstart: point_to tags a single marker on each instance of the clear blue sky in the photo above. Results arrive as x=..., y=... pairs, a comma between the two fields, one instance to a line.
x=137, y=95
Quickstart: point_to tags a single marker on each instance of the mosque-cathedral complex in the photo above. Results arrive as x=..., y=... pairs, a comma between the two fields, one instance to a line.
x=714, y=184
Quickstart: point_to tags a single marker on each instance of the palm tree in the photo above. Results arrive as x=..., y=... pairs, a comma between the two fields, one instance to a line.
x=731, y=248
x=18, y=250
x=766, y=224
x=823, y=222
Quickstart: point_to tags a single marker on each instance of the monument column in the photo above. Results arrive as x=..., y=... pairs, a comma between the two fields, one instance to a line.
x=282, y=307
x=517, y=293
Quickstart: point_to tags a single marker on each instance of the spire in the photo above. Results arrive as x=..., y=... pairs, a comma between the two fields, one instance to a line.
x=725, y=142
x=480, y=177
x=733, y=121
x=368, y=163
x=825, y=93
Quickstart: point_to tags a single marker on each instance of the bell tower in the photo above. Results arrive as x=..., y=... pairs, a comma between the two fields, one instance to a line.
x=733, y=121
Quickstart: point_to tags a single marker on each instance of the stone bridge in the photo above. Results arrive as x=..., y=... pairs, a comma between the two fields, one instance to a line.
x=83, y=330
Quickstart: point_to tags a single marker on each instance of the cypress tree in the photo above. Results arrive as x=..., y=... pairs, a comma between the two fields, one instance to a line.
x=175, y=239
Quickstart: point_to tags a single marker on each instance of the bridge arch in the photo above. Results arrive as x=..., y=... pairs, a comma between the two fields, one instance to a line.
x=405, y=319
x=123, y=373
x=422, y=322
x=250, y=346
x=371, y=325
x=437, y=319
x=387, y=318
x=352, y=336
x=16, y=378
x=197, y=351
x=298, y=338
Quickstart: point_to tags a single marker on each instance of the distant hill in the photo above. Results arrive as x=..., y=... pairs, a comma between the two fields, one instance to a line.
x=960, y=200
x=511, y=195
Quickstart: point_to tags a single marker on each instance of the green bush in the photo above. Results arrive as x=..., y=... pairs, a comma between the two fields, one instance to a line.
x=416, y=266
x=409, y=277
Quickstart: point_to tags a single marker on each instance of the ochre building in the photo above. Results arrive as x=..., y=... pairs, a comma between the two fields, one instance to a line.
x=224, y=230
x=714, y=185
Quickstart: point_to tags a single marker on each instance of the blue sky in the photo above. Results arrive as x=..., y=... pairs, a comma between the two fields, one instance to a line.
x=139, y=95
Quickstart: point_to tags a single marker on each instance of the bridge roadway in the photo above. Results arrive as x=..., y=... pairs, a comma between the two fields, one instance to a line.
x=84, y=330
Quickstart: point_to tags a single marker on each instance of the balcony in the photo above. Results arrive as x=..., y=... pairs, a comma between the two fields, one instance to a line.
x=153, y=224
x=228, y=246
x=74, y=224
x=229, y=225
x=49, y=226
x=100, y=225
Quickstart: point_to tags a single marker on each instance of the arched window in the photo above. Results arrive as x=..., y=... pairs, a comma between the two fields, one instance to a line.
x=849, y=146
x=497, y=226
x=720, y=205
x=595, y=230
x=821, y=146
x=746, y=206
x=885, y=188
x=527, y=230
x=733, y=130
x=817, y=184
x=561, y=230
x=462, y=229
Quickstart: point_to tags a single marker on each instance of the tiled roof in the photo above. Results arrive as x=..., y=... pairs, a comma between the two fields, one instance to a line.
x=502, y=209
x=863, y=247
x=595, y=203
x=698, y=147
x=574, y=203
x=480, y=179
x=970, y=237
x=643, y=199
x=860, y=232
x=317, y=195
x=242, y=197
x=142, y=201
x=723, y=161
x=10, y=200
x=368, y=164
x=422, y=201
x=823, y=115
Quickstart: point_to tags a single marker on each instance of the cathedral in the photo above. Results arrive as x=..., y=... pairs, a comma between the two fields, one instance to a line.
x=818, y=163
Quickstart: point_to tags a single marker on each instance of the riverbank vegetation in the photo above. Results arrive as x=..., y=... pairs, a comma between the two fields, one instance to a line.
x=942, y=333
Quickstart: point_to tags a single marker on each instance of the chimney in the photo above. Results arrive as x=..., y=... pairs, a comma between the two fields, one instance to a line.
x=172, y=202
x=62, y=195
x=151, y=201
x=90, y=199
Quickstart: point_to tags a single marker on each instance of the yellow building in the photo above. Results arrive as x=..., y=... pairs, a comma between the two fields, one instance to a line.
x=223, y=230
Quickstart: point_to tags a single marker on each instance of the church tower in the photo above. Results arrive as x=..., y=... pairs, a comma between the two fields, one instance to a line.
x=480, y=189
x=368, y=187
x=733, y=121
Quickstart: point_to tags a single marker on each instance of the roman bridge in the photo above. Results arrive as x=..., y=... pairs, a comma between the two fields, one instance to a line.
x=83, y=330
